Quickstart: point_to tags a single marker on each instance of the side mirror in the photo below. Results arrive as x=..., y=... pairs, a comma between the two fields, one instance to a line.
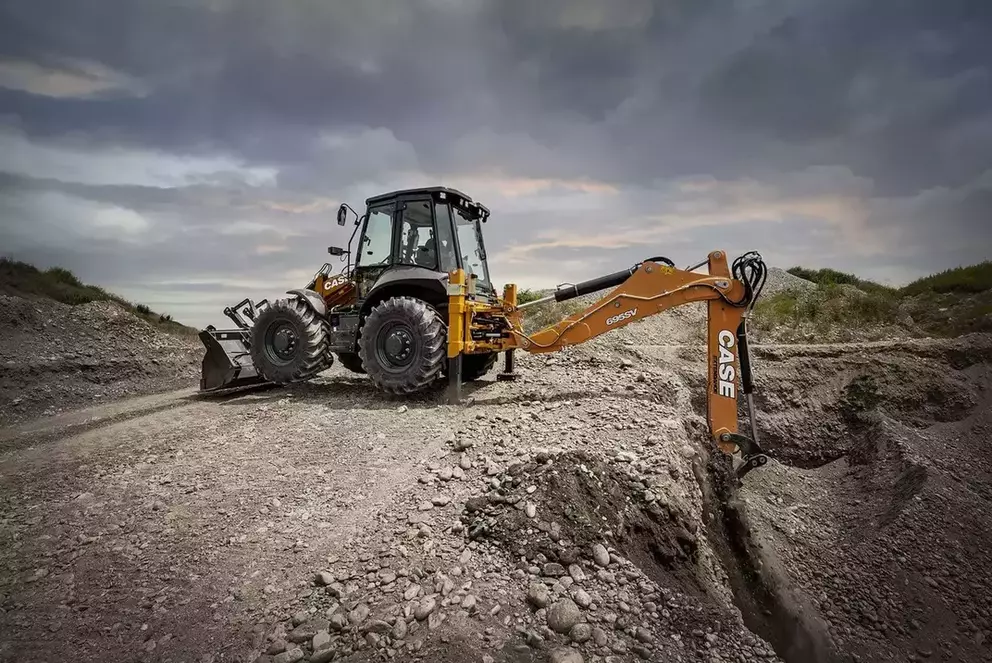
x=342, y=215
x=336, y=250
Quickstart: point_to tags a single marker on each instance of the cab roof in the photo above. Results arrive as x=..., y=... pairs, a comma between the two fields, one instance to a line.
x=454, y=194
x=382, y=197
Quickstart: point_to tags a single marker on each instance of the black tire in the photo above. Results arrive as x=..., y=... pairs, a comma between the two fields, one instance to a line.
x=403, y=345
x=476, y=366
x=289, y=342
x=352, y=361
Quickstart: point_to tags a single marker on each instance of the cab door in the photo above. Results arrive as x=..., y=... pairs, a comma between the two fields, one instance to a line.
x=375, y=252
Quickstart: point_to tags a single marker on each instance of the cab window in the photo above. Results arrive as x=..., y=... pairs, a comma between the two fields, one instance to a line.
x=377, y=238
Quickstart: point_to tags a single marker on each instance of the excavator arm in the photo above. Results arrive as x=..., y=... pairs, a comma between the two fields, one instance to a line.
x=646, y=289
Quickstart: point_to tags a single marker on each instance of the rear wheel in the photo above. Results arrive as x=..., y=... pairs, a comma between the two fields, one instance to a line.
x=403, y=345
x=352, y=361
x=289, y=342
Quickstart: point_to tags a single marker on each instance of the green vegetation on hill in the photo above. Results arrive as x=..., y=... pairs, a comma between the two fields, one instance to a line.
x=829, y=304
x=830, y=277
x=20, y=278
x=972, y=279
x=953, y=302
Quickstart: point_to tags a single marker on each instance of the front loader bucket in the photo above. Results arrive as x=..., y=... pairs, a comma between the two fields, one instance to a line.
x=227, y=363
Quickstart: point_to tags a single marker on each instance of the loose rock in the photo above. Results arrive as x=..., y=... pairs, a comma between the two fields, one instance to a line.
x=600, y=555
x=563, y=615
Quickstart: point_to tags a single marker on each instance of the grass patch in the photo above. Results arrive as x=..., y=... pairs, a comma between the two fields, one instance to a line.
x=20, y=278
x=526, y=295
x=829, y=304
x=965, y=280
x=949, y=303
x=829, y=277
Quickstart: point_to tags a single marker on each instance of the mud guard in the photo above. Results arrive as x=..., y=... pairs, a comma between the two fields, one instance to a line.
x=314, y=300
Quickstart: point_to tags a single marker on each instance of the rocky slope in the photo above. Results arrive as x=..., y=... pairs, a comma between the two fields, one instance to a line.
x=55, y=357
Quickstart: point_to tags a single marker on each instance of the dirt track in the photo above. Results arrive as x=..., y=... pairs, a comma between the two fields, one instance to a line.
x=179, y=528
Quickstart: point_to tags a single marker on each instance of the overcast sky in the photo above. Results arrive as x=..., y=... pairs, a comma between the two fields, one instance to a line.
x=188, y=153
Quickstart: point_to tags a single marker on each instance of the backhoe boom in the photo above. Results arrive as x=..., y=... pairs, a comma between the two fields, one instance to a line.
x=646, y=289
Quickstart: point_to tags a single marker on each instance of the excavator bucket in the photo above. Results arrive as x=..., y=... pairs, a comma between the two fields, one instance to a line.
x=227, y=363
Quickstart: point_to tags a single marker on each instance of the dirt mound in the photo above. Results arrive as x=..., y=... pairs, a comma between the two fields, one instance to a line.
x=57, y=357
x=889, y=541
x=811, y=399
x=641, y=554
x=780, y=280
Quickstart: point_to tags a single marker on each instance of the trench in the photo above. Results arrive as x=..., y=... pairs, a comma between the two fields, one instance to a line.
x=761, y=588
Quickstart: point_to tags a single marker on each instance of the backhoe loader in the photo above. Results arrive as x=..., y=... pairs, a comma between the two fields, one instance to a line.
x=415, y=305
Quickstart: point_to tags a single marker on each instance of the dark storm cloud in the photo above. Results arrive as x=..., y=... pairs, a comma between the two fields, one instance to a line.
x=670, y=85
x=885, y=87
x=207, y=141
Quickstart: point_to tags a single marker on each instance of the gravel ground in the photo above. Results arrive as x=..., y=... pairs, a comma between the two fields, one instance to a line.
x=573, y=516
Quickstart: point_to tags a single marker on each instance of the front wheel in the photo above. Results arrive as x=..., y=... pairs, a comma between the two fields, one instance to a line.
x=289, y=342
x=403, y=345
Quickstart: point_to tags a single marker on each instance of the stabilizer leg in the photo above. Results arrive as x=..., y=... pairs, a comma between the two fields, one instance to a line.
x=455, y=379
x=508, y=374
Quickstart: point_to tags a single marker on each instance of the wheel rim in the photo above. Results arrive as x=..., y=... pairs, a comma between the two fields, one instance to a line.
x=281, y=342
x=395, y=347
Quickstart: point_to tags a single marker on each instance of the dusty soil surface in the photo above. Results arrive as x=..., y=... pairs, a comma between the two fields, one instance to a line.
x=55, y=357
x=575, y=515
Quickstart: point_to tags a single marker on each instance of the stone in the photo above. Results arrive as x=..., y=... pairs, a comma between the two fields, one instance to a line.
x=538, y=595
x=576, y=572
x=399, y=629
x=325, y=655
x=302, y=633
x=377, y=626
x=325, y=578
x=553, y=570
x=321, y=640
x=411, y=592
x=599, y=636
x=292, y=656
x=424, y=609
x=582, y=598
x=563, y=615
x=580, y=633
x=565, y=655
x=359, y=614
x=600, y=555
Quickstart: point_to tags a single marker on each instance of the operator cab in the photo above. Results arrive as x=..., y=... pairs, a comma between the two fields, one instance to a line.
x=417, y=231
